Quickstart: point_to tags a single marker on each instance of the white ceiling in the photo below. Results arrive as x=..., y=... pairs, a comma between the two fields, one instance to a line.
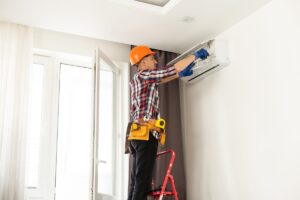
x=131, y=22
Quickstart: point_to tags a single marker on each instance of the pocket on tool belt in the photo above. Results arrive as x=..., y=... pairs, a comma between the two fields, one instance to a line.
x=139, y=132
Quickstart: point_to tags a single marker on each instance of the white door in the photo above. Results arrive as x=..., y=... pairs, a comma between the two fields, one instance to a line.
x=60, y=129
x=74, y=133
x=106, y=123
x=75, y=119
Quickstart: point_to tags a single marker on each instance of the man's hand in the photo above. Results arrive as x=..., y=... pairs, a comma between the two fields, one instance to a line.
x=202, y=53
x=182, y=64
x=187, y=71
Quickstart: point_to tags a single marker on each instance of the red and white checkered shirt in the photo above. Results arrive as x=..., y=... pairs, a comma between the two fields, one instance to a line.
x=144, y=92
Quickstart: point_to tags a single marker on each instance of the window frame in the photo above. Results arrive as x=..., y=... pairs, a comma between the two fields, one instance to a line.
x=116, y=121
x=52, y=61
x=46, y=172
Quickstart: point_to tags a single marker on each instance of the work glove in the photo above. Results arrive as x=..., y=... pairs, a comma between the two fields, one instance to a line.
x=202, y=53
x=187, y=71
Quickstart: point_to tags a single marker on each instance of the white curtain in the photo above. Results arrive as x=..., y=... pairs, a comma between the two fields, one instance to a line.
x=15, y=59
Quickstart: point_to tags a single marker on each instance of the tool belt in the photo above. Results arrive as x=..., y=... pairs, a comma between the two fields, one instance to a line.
x=140, y=130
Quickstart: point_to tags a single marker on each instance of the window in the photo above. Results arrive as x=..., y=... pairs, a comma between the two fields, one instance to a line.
x=40, y=165
x=60, y=126
x=74, y=133
x=34, y=126
x=107, y=167
x=106, y=135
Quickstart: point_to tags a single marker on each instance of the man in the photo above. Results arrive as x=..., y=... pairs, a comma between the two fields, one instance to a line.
x=145, y=109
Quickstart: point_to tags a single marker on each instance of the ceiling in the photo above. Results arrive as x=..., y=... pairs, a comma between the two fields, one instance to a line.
x=132, y=22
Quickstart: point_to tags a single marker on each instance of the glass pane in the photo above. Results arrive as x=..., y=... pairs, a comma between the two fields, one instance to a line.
x=105, y=139
x=74, y=133
x=34, y=125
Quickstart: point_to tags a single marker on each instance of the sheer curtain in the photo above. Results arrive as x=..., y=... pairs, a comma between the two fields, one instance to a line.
x=15, y=60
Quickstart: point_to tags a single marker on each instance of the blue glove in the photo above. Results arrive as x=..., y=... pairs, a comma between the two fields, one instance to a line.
x=187, y=71
x=202, y=53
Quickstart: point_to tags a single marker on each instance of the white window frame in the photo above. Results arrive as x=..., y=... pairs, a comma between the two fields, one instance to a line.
x=49, y=123
x=49, y=140
x=117, y=175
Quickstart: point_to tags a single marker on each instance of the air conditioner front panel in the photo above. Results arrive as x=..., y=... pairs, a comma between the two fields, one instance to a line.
x=204, y=69
x=218, y=58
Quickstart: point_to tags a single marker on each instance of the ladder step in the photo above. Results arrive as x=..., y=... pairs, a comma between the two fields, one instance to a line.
x=158, y=193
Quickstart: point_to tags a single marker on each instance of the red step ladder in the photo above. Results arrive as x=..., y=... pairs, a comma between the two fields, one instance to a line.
x=161, y=192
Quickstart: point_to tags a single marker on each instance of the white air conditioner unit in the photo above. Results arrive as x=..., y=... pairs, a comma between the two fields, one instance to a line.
x=218, y=58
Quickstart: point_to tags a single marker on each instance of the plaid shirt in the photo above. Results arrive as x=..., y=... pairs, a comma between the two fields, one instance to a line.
x=144, y=92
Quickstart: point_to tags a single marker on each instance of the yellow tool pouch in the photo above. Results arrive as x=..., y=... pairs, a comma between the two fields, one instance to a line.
x=139, y=132
x=161, y=124
x=142, y=131
x=162, y=139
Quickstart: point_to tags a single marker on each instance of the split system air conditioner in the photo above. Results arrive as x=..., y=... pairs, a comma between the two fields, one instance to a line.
x=218, y=58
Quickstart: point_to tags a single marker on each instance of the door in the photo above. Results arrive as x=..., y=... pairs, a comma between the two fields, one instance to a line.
x=75, y=143
x=60, y=127
x=106, y=123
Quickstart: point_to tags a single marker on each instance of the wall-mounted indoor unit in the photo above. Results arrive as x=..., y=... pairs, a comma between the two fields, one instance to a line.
x=218, y=58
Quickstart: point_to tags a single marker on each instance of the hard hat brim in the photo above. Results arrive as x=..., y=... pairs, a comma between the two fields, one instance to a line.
x=151, y=53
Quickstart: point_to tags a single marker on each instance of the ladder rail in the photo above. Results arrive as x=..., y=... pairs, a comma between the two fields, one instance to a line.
x=168, y=176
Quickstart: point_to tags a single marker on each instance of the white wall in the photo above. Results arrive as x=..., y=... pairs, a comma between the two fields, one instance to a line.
x=83, y=46
x=242, y=124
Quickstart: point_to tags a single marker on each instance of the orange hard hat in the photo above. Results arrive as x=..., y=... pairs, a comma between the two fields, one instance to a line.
x=138, y=53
